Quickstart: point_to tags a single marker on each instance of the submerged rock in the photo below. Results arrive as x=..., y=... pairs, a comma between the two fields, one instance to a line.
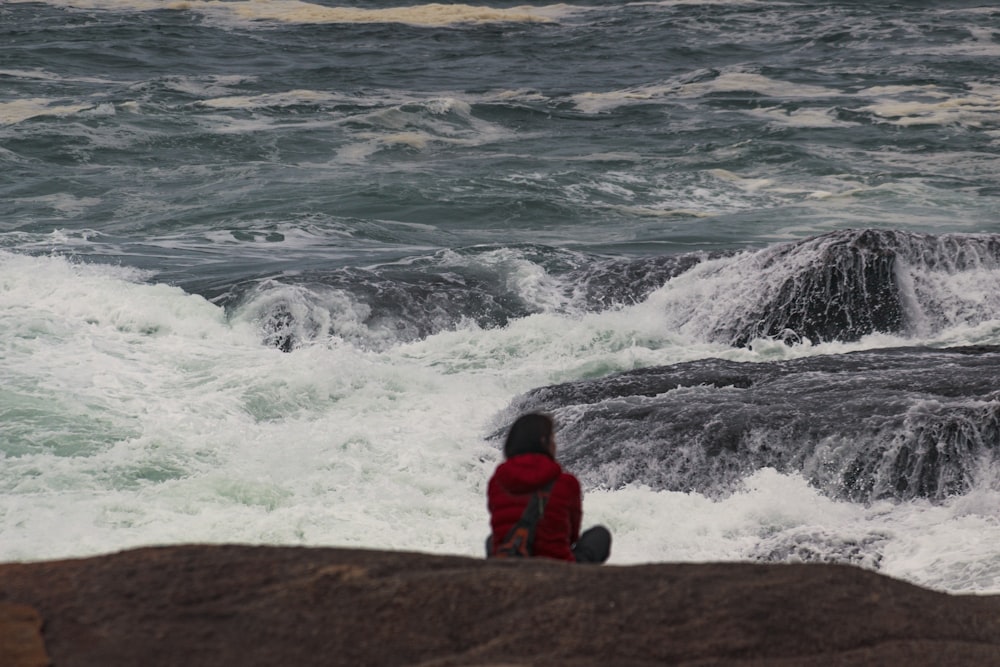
x=266, y=606
x=817, y=545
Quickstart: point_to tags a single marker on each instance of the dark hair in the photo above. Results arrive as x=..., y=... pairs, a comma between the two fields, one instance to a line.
x=530, y=434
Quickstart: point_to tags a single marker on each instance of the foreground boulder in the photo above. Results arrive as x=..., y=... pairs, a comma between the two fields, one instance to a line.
x=21, y=642
x=240, y=605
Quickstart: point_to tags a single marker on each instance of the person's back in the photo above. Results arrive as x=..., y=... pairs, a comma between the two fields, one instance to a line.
x=513, y=484
x=530, y=465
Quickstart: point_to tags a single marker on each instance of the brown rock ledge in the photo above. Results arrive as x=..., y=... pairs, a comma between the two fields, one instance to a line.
x=21, y=643
x=243, y=606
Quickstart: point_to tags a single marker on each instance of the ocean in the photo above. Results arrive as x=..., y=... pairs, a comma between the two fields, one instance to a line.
x=281, y=272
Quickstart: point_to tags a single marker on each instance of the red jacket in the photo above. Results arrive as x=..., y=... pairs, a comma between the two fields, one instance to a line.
x=510, y=490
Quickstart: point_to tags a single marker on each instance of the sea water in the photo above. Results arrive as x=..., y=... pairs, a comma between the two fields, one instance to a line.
x=271, y=272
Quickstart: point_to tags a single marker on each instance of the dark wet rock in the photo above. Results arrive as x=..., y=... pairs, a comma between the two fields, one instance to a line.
x=846, y=289
x=488, y=286
x=374, y=309
x=848, y=284
x=839, y=286
x=893, y=423
x=249, y=606
x=623, y=282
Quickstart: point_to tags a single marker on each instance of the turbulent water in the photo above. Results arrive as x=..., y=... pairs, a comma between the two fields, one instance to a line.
x=282, y=272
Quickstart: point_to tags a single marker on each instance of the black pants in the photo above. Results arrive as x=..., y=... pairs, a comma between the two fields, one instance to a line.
x=594, y=545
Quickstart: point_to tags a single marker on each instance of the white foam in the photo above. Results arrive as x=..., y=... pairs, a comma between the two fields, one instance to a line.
x=141, y=415
x=593, y=102
x=63, y=203
x=726, y=82
x=756, y=83
x=282, y=99
x=671, y=3
x=210, y=85
x=948, y=547
x=296, y=11
x=928, y=105
x=45, y=75
x=802, y=117
x=21, y=110
x=421, y=15
x=419, y=124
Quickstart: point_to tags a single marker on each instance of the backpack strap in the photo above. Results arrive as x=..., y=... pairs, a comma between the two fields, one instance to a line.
x=520, y=539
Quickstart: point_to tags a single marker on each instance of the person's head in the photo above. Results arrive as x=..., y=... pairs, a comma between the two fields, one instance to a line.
x=530, y=434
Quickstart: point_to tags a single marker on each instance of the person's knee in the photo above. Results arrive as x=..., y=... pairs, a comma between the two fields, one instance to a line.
x=594, y=545
x=602, y=538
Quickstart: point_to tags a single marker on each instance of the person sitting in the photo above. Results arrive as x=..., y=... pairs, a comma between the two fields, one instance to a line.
x=529, y=466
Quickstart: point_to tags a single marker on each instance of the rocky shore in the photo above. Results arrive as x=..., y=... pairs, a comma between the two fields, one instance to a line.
x=246, y=606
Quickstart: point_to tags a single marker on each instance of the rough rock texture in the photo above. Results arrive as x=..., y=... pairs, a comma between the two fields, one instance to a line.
x=245, y=606
x=21, y=643
x=899, y=423
x=838, y=286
